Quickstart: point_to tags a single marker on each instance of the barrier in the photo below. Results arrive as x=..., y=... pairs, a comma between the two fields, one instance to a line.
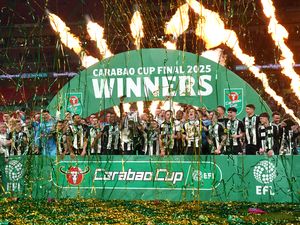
x=175, y=178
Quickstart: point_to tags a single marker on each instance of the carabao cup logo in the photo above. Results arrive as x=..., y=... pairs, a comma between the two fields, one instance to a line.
x=234, y=98
x=14, y=170
x=74, y=175
x=264, y=172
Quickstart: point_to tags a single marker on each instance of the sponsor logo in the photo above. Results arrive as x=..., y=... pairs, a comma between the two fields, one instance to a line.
x=14, y=171
x=129, y=175
x=74, y=103
x=74, y=174
x=207, y=176
x=234, y=98
x=199, y=175
x=265, y=173
x=190, y=175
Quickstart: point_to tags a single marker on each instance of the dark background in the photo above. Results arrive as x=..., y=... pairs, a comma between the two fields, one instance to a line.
x=29, y=45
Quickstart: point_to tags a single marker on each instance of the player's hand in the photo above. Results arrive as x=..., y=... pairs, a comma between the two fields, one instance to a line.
x=83, y=153
x=217, y=151
x=270, y=153
x=261, y=151
x=36, y=150
x=235, y=136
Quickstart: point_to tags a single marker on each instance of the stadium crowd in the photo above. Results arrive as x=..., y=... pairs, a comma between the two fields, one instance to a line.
x=188, y=131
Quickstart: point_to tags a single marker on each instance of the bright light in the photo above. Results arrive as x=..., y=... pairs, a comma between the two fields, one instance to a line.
x=136, y=28
x=212, y=30
x=70, y=40
x=140, y=107
x=179, y=22
x=96, y=33
x=279, y=34
x=177, y=25
x=170, y=45
x=215, y=55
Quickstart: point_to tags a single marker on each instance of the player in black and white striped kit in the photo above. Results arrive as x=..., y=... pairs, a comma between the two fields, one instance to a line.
x=217, y=136
x=266, y=135
x=235, y=131
x=278, y=131
x=251, y=123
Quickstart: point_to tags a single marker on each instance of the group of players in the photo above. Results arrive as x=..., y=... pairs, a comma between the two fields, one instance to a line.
x=190, y=131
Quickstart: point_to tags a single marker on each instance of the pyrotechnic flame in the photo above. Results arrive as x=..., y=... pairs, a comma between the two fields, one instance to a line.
x=136, y=27
x=218, y=35
x=177, y=25
x=96, y=33
x=153, y=107
x=126, y=107
x=70, y=40
x=170, y=105
x=170, y=45
x=179, y=22
x=140, y=107
x=216, y=55
x=279, y=34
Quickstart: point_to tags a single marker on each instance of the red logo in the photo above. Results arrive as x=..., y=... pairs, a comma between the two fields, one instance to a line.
x=73, y=100
x=74, y=174
x=233, y=96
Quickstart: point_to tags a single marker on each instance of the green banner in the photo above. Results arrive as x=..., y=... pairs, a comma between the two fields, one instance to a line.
x=177, y=178
x=155, y=74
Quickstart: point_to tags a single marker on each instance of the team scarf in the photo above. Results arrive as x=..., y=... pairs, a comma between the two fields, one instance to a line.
x=77, y=132
x=93, y=133
x=266, y=136
x=213, y=130
x=232, y=129
x=60, y=141
x=3, y=147
x=152, y=146
x=250, y=127
x=113, y=137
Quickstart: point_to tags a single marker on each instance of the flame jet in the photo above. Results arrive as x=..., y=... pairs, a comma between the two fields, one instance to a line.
x=136, y=27
x=177, y=25
x=70, y=40
x=96, y=32
x=219, y=35
x=279, y=34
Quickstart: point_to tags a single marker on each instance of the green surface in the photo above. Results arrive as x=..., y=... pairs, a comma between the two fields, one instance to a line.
x=155, y=74
x=175, y=178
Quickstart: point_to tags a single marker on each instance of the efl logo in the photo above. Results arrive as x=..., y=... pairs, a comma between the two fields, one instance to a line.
x=14, y=173
x=264, y=172
x=74, y=175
